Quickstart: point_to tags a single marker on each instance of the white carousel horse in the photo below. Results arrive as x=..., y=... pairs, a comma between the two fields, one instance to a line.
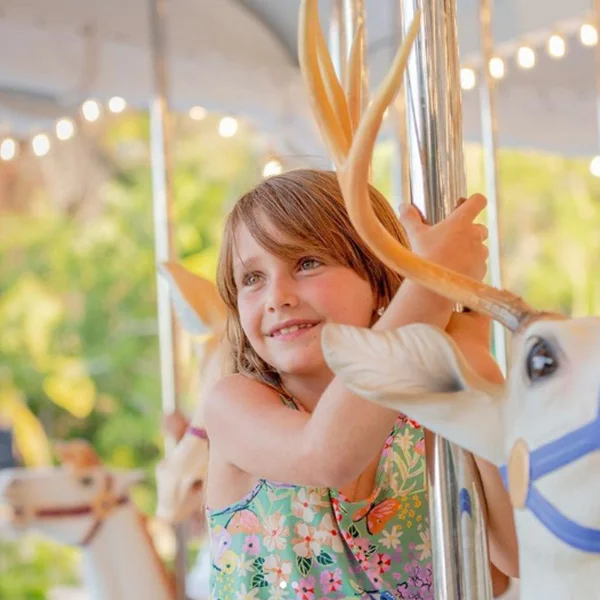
x=82, y=503
x=542, y=428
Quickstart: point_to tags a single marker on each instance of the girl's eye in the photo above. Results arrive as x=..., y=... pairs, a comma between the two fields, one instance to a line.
x=250, y=279
x=308, y=263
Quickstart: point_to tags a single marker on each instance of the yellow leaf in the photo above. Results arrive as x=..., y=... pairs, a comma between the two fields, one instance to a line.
x=70, y=387
x=30, y=437
x=123, y=457
x=30, y=312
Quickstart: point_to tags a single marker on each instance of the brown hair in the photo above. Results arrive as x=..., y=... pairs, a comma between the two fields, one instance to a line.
x=308, y=206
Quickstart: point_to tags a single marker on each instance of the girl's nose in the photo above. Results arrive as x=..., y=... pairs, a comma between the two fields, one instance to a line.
x=282, y=295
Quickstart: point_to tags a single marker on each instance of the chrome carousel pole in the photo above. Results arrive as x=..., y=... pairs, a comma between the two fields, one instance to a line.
x=489, y=128
x=163, y=239
x=596, y=21
x=400, y=164
x=460, y=564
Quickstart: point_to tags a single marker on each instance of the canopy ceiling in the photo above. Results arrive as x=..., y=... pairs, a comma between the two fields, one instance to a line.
x=238, y=57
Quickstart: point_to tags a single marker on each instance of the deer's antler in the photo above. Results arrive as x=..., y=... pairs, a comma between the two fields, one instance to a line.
x=350, y=140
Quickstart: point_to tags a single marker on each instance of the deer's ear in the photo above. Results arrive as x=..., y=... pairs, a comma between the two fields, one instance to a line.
x=196, y=300
x=419, y=371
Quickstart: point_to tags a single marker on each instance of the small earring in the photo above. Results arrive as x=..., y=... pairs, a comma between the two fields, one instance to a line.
x=381, y=310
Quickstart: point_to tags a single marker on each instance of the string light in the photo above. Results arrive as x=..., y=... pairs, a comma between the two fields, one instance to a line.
x=556, y=46
x=526, y=57
x=595, y=166
x=197, y=113
x=588, y=35
x=228, y=127
x=40, y=144
x=117, y=104
x=273, y=167
x=497, y=69
x=467, y=78
x=90, y=110
x=8, y=149
x=65, y=129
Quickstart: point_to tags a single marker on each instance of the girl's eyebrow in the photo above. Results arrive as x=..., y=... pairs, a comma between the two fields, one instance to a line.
x=245, y=265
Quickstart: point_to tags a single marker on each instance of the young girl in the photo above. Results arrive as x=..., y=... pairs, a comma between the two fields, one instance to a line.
x=314, y=493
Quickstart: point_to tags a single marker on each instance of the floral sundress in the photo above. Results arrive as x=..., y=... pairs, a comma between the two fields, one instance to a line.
x=296, y=542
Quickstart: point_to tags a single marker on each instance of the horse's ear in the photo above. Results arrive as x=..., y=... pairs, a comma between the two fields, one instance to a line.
x=196, y=300
x=78, y=454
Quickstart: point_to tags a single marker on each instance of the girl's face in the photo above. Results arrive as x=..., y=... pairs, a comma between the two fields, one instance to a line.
x=283, y=304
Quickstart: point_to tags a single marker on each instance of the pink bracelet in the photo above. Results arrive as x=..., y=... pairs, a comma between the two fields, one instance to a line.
x=199, y=432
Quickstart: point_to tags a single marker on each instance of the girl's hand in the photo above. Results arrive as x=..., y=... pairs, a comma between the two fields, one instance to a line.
x=456, y=243
x=175, y=425
x=471, y=331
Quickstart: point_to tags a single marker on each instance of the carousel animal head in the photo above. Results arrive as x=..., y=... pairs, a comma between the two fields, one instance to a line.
x=69, y=503
x=543, y=427
x=181, y=475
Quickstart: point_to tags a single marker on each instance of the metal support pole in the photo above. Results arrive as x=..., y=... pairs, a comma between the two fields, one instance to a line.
x=400, y=164
x=461, y=570
x=163, y=237
x=596, y=22
x=489, y=128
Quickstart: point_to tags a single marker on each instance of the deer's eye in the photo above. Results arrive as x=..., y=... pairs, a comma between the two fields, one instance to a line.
x=542, y=361
x=86, y=480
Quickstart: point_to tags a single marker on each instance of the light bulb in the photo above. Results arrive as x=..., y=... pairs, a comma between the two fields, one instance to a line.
x=588, y=35
x=40, y=144
x=467, y=78
x=228, y=127
x=273, y=167
x=595, y=166
x=8, y=149
x=526, y=57
x=90, y=110
x=65, y=129
x=556, y=46
x=497, y=68
x=197, y=113
x=117, y=104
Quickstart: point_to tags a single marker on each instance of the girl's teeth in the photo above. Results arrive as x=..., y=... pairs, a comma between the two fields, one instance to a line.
x=292, y=329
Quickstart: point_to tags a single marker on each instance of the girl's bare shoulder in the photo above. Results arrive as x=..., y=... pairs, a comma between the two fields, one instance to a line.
x=237, y=384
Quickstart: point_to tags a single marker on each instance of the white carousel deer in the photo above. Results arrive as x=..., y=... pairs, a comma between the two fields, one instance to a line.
x=542, y=427
x=84, y=504
x=180, y=476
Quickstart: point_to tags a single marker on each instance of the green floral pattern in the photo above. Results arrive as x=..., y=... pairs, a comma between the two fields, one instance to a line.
x=296, y=542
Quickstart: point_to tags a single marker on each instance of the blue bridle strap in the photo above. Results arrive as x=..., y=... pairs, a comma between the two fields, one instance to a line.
x=549, y=458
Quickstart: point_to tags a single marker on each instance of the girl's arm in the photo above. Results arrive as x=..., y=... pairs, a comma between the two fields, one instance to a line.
x=251, y=428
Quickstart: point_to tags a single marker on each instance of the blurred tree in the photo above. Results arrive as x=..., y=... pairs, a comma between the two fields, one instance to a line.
x=78, y=334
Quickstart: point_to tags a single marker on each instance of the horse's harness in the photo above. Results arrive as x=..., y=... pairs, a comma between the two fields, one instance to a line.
x=100, y=507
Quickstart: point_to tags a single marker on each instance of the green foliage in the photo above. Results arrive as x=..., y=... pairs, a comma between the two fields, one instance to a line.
x=78, y=329
x=28, y=570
